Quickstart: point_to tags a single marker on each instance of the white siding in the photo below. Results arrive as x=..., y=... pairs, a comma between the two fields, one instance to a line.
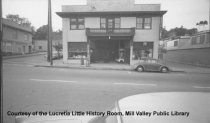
x=128, y=22
x=148, y=34
x=77, y=36
x=66, y=25
x=92, y=22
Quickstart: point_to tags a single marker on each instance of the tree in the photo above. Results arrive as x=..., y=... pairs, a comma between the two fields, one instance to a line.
x=19, y=20
x=164, y=34
x=58, y=47
x=41, y=33
x=178, y=31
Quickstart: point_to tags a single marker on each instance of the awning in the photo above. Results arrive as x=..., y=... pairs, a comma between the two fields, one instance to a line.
x=111, y=13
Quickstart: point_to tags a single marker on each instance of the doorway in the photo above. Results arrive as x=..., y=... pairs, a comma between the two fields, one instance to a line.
x=108, y=51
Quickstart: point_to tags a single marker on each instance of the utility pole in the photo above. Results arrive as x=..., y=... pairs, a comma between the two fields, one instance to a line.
x=49, y=33
x=1, y=40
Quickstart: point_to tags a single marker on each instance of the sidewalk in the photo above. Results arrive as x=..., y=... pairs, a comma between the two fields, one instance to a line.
x=175, y=67
x=95, y=66
x=38, y=60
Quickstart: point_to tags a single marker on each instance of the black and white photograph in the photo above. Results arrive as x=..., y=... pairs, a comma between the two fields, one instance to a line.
x=105, y=61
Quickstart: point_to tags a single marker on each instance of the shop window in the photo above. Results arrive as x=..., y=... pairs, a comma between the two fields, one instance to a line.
x=144, y=23
x=142, y=50
x=77, y=24
x=77, y=50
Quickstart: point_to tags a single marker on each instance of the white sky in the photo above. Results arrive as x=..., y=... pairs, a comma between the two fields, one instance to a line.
x=180, y=12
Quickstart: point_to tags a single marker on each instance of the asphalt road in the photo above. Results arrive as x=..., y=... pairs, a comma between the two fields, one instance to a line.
x=29, y=88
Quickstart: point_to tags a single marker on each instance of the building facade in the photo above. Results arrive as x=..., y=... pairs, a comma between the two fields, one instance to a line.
x=110, y=30
x=17, y=39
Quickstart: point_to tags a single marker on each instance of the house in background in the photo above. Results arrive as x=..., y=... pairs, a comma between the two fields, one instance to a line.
x=107, y=30
x=175, y=42
x=17, y=39
x=41, y=45
x=193, y=50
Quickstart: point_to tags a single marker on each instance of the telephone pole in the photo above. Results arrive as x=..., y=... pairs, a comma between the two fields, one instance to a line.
x=49, y=33
x=1, y=80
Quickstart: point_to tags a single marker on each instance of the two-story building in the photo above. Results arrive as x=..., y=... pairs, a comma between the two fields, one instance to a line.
x=111, y=30
x=17, y=39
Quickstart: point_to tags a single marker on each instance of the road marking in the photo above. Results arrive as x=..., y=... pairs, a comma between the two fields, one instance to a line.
x=200, y=87
x=134, y=84
x=45, y=80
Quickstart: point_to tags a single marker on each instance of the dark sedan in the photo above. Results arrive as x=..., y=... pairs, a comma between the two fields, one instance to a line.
x=149, y=64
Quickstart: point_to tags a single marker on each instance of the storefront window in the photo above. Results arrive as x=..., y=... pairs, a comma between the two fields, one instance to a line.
x=77, y=50
x=142, y=50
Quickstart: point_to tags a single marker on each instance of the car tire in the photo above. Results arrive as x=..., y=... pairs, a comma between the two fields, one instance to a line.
x=140, y=69
x=164, y=70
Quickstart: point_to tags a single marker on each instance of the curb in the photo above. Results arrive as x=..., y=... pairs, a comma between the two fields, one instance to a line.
x=92, y=68
x=98, y=68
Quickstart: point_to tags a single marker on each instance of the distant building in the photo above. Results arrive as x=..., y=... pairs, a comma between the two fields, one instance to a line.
x=106, y=30
x=175, y=42
x=41, y=45
x=17, y=39
x=190, y=50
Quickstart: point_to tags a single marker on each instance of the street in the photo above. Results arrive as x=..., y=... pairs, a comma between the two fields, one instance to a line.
x=29, y=88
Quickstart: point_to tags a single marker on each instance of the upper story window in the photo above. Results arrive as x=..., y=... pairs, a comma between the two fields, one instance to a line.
x=110, y=23
x=144, y=23
x=103, y=23
x=117, y=22
x=77, y=23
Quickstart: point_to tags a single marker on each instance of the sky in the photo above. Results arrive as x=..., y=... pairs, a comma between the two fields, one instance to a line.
x=184, y=13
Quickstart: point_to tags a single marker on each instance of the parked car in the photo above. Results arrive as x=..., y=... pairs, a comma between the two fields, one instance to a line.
x=149, y=64
x=162, y=107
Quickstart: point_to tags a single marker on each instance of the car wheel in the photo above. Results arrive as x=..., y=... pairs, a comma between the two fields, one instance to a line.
x=164, y=69
x=140, y=69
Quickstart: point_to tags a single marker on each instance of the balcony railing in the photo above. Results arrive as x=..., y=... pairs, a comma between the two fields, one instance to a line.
x=110, y=32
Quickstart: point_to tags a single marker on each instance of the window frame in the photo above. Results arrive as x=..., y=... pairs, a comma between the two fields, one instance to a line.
x=143, y=23
x=77, y=23
x=106, y=22
x=77, y=51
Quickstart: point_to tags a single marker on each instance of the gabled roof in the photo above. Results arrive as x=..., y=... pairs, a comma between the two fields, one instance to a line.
x=9, y=23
